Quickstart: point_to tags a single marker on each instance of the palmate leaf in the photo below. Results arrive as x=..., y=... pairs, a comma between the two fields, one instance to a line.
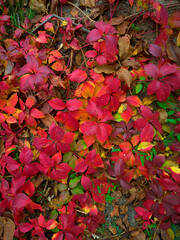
x=166, y=80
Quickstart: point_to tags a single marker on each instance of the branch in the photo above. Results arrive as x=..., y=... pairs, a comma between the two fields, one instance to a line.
x=58, y=17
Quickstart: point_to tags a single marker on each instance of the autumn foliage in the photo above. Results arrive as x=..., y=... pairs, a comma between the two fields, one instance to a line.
x=71, y=131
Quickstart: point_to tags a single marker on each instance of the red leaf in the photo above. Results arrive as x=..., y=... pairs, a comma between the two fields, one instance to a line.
x=103, y=131
x=86, y=183
x=131, y=2
x=147, y=134
x=73, y=104
x=25, y=227
x=174, y=19
x=36, y=113
x=152, y=70
x=172, y=199
x=19, y=202
x=155, y=50
x=57, y=104
x=26, y=155
x=94, y=35
x=78, y=76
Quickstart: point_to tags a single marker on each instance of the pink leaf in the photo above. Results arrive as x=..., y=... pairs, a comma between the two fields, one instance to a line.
x=151, y=70
x=57, y=104
x=78, y=76
x=86, y=183
x=36, y=113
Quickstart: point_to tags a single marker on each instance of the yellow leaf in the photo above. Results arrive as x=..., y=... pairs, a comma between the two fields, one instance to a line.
x=145, y=146
x=122, y=108
x=178, y=39
x=170, y=233
x=175, y=169
x=170, y=164
x=64, y=23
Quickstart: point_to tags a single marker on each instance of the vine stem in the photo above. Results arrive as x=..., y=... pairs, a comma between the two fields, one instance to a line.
x=156, y=230
x=72, y=4
x=58, y=17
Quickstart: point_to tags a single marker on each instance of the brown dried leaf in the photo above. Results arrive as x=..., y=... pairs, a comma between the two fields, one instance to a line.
x=9, y=67
x=78, y=59
x=38, y=5
x=125, y=75
x=165, y=235
x=131, y=198
x=173, y=51
x=48, y=120
x=124, y=44
x=90, y=3
x=162, y=116
x=117, y=20
x=131, y=63
x=7, y=228
x=116, y=195
x=121, y=29
x=138, y=235
x=105, y=68
x=74, y=12
x=125, y=221
x=1, y=147
x=113, y=230
x=120, y=223
x=54, y=5
x=115, y=211
x=98, y=10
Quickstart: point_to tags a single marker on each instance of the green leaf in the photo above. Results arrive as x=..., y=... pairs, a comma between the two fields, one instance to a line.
x=142, y=160
x=170, y=113
x=99, y=190
x=117, y=117
x=74, y=182
x=178, y=137
x=54, y=214
x=138, y=88
x=142, y=78
x=116, y=150
x=55, y=230
x=172, y=121
x=162, y=105
x=77, y=190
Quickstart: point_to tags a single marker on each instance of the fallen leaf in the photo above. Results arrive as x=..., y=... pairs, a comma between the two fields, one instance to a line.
x=120, y=223
x=173, y=51
x=78, y=59
x=113, y=230
x=124, y=45
x=38, y=5
x=178, y=39
x=125, y=221
x=125, y=75
x=117, y=20
x=165, y=235
x=7, y=228
x=105, y=68
x=9, y=67
x=74, y=12
x=162, y=116
x=90, y=3
x=54, y=5
x=48, y=120
x=115, y=211
x=138, y=235
x=1, y=147
x=121, y=29
x=116, y=195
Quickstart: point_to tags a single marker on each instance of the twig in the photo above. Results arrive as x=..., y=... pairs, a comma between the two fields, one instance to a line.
x=151, y=9
x=117, y=235
x=156, y=230
x=58, y=17
x=80, y=11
